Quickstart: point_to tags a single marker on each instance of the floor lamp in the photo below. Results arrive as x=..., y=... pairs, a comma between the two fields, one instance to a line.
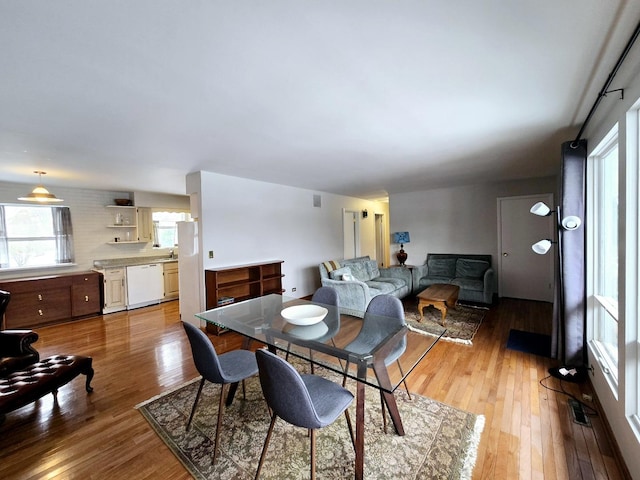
x=576, y=374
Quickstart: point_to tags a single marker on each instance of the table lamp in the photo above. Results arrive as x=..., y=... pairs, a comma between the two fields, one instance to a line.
x=401, y=238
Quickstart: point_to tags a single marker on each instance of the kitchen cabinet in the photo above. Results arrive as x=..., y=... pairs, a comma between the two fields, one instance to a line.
x=145, y=224
x=85, y=294
x=44, y=300
x=242, y=282
x=171, y=281
x=130, y=224
x=115, y=293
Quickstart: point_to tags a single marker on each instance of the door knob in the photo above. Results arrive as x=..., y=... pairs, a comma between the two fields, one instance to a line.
x=505, y=254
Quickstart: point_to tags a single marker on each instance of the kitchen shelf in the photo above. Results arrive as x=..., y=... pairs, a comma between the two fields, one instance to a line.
x=136, y=223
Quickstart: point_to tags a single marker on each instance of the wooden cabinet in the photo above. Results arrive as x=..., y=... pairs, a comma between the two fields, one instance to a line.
x=85, y=294
x=43, y=300
x=241, y=282
x=115, y=291
x=130, y=224
x=145, y=224
x=171, y=281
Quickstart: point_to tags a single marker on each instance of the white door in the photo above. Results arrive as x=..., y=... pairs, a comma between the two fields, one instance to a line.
x=351, y=227
x=521, y=272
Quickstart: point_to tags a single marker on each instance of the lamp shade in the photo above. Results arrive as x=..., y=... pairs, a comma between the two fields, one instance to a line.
x=401, y=237
x=540, y=209
x=40, y=194
x=542, y=246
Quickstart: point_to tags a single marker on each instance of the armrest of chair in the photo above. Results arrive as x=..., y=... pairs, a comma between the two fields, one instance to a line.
x=417, y=273
x=16, y=343
x=489, y=281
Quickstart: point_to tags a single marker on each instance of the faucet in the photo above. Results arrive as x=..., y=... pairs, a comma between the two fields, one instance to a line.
x=171, y=253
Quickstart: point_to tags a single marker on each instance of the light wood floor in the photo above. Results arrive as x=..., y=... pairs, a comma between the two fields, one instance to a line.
x=529, y=432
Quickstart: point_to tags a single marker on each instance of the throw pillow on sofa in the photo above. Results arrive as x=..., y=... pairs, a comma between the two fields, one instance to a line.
x=339, y=273
x=372, y=269
x=359, y=270
x=442, y=267
x=468, y=268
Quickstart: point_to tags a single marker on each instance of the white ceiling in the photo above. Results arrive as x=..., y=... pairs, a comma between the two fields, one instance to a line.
x=355, y=97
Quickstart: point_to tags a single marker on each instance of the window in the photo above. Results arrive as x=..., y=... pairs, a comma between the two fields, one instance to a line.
x=35, y=236
x=603, y=253
x=165, y=229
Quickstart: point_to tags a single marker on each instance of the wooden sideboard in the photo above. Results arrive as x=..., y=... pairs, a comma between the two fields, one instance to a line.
x=43, y=300
x=241, y=282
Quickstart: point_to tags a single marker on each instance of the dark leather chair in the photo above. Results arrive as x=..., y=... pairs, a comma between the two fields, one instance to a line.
x=16, y=351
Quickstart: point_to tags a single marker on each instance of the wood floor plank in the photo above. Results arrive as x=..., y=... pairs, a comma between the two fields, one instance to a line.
x=138, y=354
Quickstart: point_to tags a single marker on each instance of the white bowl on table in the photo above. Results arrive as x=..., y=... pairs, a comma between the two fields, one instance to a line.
x=304, y=314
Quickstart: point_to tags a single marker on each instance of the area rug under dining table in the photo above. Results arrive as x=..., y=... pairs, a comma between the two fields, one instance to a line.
x=440, y=441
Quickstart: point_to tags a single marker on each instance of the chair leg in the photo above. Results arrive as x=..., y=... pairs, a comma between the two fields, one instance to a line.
x=219, y=426
x=266, y=444
x=193, y=409
x=383, y=408
x=313, y=454
x=353, y=438
x=244, y=391
x=404, y=381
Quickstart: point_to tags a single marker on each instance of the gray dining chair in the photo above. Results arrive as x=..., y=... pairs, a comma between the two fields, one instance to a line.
x=307, y=401
x=325, y=296
x=227, y=368
x=384, y=314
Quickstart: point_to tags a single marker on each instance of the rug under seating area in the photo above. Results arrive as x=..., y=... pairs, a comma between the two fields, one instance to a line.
x=440, y=442
x=461, y=322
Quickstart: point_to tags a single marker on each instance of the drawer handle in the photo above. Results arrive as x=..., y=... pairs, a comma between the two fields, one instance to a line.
x=86, y=298
x=40, y=312
x=39, y=297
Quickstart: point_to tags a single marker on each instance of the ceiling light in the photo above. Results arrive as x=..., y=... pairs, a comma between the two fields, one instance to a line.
x=40, y=194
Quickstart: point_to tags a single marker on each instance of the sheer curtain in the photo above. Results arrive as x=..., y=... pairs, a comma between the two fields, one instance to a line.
x=4, y=246
x=569, y=325
x=63, y=231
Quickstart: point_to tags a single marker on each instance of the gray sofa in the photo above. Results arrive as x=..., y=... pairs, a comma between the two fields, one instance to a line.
x=472, y=273
x=358, y=280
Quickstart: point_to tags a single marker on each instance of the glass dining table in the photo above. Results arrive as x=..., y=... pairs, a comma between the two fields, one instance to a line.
x=323, y=344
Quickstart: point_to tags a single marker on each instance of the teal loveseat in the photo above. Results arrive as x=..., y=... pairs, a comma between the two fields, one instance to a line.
x=472, y=273
x=358, y=280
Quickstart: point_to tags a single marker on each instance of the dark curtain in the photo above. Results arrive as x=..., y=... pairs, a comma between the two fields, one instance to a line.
x=63, y=232
x=569, y=326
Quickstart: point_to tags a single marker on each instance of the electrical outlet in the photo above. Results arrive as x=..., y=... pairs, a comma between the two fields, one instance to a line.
x=293, y=289
x=210, y=253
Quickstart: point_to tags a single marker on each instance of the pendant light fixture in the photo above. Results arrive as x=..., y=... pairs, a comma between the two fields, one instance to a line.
x=40, y=194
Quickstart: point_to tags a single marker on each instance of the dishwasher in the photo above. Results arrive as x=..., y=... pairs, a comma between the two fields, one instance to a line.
x=145, y=285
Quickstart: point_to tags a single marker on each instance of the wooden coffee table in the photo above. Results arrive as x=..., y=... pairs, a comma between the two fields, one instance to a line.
x=441, y=296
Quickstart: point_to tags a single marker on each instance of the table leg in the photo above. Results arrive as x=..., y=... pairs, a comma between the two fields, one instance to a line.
x=389, y=398
x=359, y=463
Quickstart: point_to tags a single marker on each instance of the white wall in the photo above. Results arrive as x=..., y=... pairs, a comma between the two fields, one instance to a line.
x=458, y=219
x=245, y=221
x=621, y=407
x=90, y=235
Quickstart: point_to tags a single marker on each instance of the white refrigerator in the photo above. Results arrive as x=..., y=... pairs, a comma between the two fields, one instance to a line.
x=190, y=274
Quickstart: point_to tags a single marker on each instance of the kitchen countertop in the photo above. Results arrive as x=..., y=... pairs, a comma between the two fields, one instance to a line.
x=130, y=261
